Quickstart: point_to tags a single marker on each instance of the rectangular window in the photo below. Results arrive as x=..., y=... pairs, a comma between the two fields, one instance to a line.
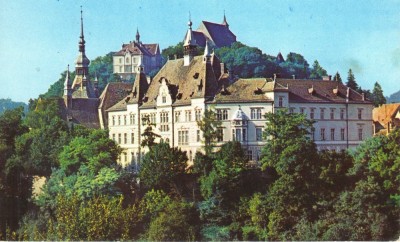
x=291, y=110
x=244, y=137
x=125, y=138
x=113, y=137
x=119, y=138
x=188, y=116
x=198, y=136
x=220, y=134
x=312, y=113
x=183, y=137
x=222, y=114
x=342, y=134
x=258, y=134
x=132, y=119
x=164, y=122
x=360, y=134
x=237, y=134
x=164, y=99
x=332, y=134
x=119, y=119
x=249, y=155
x=153, y=118
x=132, y=138
x=332, y=113
x=302, y=110
x=342, y=113
x=322, y=134
x=322, y=113
x=256, y=113
x=312, y=134
x=360, y=113
x=125, y=123
x=177, y=116
x=280, y=101
x=113, y=120
x=198, y=114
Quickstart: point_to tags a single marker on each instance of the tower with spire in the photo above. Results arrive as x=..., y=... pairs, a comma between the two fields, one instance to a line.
x=82, y=87
x=189, y=45
x=137, y=36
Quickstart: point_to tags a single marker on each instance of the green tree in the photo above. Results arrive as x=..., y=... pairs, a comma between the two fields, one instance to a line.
x=293, y=195
x=87, y=169
x=337, y=77
x=162, y=167
x=317, y=72
x=176, y=222
x=351, y=81
x=377, y=95
x=148, y=134
x=208, y=126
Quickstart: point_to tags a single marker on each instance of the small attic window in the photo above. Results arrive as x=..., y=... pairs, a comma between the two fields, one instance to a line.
x=179, y=96
x=311, y=90
x=258, y=91
x=196, y=75
x=336, y=91
x=200, y=86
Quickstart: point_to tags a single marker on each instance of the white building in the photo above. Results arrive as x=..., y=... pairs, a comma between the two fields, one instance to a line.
x=126, y=60
x=178, y=95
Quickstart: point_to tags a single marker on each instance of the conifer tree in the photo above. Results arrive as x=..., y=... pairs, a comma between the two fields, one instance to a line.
x=337, y=77
x=377, y=95
x=351, y=81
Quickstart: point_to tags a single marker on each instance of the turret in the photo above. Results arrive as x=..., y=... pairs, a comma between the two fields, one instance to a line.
x=67, y=90
x=189, y=46
x=207, y=53
x=137, y=36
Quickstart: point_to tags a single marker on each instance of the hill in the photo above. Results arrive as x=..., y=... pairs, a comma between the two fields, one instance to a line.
x=6, y=104
x=394, y=98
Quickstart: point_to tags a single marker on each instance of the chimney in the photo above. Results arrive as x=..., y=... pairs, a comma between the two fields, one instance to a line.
x=222, y=68
x=274, y=76
x=148, y=79
x=327, y=78
x=363, y=96
x=294, y=77
x=175, y=56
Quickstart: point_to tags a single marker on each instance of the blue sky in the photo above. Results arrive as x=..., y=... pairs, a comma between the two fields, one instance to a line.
x=40, y=38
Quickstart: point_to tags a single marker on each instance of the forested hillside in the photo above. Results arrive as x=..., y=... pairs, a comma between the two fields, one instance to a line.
x=394, y=98
x=7, y=104
x=241, y=60
x=296, y=192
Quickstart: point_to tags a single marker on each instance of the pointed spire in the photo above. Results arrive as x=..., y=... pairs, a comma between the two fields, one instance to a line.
x=82, y=37
x=224, y=22
x=67, y=84
x=189, y=45
x=137, y=35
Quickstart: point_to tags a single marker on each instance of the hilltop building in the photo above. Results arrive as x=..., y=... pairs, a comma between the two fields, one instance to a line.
x=126, y=60
x=217, y=35
x=175, y=99
x=81, y=95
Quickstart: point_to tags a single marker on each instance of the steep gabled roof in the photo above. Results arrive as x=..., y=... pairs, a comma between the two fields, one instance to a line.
x=138, y=49
x=220, y=34
x=385, y=113
x=245, y=90
x=320, y=91
x=198, y=80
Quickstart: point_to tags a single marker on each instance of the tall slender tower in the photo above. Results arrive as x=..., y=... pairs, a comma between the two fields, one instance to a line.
x=67, y=90
x=189, y=46
x=82, y=87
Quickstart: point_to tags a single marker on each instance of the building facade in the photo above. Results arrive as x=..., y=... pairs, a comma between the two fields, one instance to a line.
x=175, y=99
x=134, y=54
